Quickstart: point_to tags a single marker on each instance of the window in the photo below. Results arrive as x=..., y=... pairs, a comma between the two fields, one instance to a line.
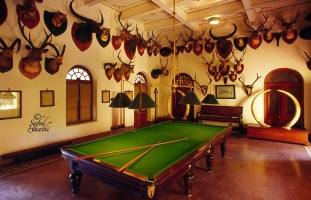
x=78, y=95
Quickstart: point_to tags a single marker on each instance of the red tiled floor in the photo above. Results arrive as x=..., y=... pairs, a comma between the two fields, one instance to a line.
x=252, y=169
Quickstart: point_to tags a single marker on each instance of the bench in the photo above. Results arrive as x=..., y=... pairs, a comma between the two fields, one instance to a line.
x=36, y=152
x=233, y=114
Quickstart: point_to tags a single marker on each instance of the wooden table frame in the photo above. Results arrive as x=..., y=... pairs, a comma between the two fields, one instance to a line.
x=139, y=185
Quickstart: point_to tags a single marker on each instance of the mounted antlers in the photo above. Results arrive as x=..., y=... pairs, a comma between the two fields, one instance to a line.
x=156, y=72
x=125, y=67
x=210, y=67
x=6, y=56
x=239, y=67
x=31, y=64
x=255, y=38
x=268, y=34
x=290, y=33
x=197, y=46
x=125, y=35
x=174, y=48
x=248, y=88
x=142, y=44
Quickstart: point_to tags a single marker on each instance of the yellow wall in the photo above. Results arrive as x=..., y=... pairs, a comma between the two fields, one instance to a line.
x=14, y=133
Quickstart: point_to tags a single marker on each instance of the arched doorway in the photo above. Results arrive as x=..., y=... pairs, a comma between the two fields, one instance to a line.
x=140, y=115
x=178, y=110
x=279, y=108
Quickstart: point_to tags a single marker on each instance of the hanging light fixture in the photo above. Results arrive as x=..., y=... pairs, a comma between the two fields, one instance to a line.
x=142, y=101
x=121, y=100
x=190, y=98
x=210, y=99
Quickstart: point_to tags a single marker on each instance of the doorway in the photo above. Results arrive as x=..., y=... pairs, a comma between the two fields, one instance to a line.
x=279, y=108
x=140, y=115
x=179, y=110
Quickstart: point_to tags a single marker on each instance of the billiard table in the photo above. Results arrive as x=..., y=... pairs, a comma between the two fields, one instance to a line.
x=147, y=161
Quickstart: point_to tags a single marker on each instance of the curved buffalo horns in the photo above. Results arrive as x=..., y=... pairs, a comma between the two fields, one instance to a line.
x=223, y=37
x=17, y=40
x=85, y=18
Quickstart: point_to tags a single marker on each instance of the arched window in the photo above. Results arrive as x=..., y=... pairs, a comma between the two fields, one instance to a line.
x=79, y=87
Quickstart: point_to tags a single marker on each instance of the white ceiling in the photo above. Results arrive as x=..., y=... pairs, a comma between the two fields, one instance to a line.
x=157, y=15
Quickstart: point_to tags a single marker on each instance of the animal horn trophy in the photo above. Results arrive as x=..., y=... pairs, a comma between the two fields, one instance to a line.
x=308, y=62
x=82, y=32
x=52, y=64
x=249, y=88
x=224, y=46
x=6, y=56
x=30, y=66
x=290, y=34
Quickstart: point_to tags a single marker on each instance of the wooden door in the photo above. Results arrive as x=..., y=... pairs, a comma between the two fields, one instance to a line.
x=178, y=110
x=140, y=115
x=279, y=108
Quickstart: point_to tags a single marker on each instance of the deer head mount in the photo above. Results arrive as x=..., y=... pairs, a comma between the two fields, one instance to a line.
x=125, y=34
x=197, y=46
x=142, y=44
x=203, y=88
x=124, y=69
x=109, y=69
x=209, y=46
x=255, y=39
x=175, y=48
x=161, y=71
x=52, y=64
x=154, y=47
x=28, y=13
x=30, y=66
x=239, y=67
x=268, y=34
x=223, y=45
x=82, y=32
x=187, y=42
x=240, y=43
x=290, y=34
x=209, y=64
x=248, y=88
x=6, y=56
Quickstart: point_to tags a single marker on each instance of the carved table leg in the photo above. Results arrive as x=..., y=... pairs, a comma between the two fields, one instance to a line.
x=75, y=180
x=210, y=160
x=188, y=181
x=223, y=148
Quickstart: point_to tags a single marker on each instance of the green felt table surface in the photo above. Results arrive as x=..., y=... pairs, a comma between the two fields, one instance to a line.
x=160, y=157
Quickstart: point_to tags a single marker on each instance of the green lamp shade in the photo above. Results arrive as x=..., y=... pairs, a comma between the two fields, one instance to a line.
x=121, y=100
x=142, y=101
x=190, y=98
x=210, y=99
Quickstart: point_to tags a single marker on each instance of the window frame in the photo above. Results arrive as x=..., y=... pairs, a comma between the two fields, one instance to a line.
x=79, y=82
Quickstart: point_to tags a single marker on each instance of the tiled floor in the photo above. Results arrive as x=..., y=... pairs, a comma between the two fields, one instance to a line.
x=252, y=169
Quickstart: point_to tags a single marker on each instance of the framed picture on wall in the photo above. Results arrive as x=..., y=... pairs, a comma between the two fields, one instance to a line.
x=225, y=91
x=10, y=104
x=47, y=98
x=129, y=94
x=105, y=96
